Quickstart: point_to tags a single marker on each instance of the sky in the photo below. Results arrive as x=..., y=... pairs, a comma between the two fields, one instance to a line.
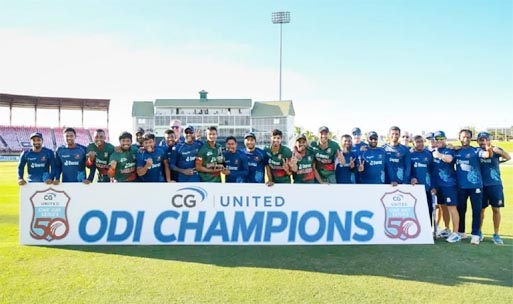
x=422, y=65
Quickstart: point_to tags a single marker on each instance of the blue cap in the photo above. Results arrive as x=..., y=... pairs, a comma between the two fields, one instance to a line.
x=440, y=135
x=139, y=130
x=190, y=128
x=483, y=135
x=430, y=135
x=36, y=134
x=356, y=132
x=372, y=134
x=250, y=134
x=324, y=129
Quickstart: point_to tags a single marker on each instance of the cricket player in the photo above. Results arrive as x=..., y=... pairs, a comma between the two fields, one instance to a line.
x=396, y=157
x=70, y=161
x=183, y=157
x=371, y=163
x=302, y=163
x=123, y=162
x=277, y=168
x=256, y=159
x=151, y=161
x=236, y=162
x=326, y=151
x=210, y=160
x=98, y=154
x=345, y=164
x=40, y=162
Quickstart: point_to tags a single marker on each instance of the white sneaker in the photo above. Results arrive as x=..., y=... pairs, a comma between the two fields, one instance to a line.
x=444, y=233
x=463, y=235
x=454, y=237
x=474, y=240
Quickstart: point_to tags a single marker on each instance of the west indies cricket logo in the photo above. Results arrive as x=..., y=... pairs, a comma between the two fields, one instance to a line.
x=400, y=218
x=49, y=216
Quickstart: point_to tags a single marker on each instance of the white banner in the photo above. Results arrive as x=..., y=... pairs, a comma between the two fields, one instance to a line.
x=227, y=214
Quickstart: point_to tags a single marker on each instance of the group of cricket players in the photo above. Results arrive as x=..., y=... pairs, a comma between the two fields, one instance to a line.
x=451, y=174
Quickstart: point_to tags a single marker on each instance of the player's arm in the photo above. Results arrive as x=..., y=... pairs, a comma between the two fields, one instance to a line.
x=199, y=166
x=51, y=160
x=58, y=167
x=92, y=171
x=316, y=173
x=21, y=168
x=268, y=172
x=407, y=169
x=142, y=165
x=503, y=154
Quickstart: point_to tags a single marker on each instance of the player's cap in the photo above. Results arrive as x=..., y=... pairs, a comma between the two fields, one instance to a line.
x=440, y=135
x=485, y=135
x=356, y=132
x=188, y=129
x=139, y=130
x=36, y=134
x=125, y=135
x=430, y=136
x=324, y=129
x=372, y=134
x=250, y=134
x=301, y=136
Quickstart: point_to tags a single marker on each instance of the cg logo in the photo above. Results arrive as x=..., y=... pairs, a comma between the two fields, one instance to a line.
x=49, y=196
x=397, y=198
x=188, y=197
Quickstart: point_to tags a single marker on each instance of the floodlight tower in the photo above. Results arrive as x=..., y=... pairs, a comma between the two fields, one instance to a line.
x=280, y=18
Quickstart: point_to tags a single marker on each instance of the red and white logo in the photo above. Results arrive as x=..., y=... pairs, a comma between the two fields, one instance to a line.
x=49, y=216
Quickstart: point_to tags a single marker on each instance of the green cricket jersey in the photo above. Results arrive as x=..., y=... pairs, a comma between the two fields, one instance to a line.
x=275, y=162
x=102, y=160
x=325, y=159
x=305, y=173
x=208, y=157
x=125, y=168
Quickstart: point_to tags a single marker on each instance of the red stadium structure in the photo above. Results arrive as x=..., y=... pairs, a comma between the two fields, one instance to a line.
x=14, y=139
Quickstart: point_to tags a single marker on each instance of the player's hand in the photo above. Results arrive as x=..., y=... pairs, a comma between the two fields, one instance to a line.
x=149, y=162
x=56, y=182
x=414, y=181
x=91, y=155
x=341, y=158
x=226, y=172
x=293, y=161
x=496, y=150
x=86, y=181
x=117, y=149
x=433, y=191
x=21, y=182
x=48, y=181
x=197, y=134
x=351, y=162
x=363, y=148
x=361, y=167
x=394, y=184
x=437, y=154
x=269, y=184
x=113, y=164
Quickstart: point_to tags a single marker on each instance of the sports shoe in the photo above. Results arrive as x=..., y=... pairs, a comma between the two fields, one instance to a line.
x=481, y=236
x=444, y=233
x=497, y=240
x=474, y=240
x=454, y=237
x=463, y=235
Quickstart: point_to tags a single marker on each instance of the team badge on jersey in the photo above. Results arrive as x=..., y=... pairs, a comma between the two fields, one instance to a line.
x=49, y=218
x=401, y=220
x=106, y=154
x=43, y=158
x=77, y=156
x=328, y=150
x=279, y=156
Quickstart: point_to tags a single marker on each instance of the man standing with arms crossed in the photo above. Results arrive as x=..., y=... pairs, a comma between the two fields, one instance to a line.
x=40, y=162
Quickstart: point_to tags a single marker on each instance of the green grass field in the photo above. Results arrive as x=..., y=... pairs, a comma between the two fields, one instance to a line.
x=440, y=273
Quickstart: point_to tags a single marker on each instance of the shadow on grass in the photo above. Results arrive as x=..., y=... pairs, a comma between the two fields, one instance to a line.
x=443, y=263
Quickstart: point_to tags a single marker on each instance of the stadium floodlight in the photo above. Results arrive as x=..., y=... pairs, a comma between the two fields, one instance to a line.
x=280, y=18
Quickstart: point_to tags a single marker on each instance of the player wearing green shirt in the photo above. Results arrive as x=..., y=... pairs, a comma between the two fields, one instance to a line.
x=98, y=153
x=123, y=162
x=209, y=160
x=326, y=151
x=302, y=163
x=277, y=168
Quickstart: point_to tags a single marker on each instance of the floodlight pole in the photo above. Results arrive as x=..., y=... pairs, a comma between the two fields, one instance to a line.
x=280, y=18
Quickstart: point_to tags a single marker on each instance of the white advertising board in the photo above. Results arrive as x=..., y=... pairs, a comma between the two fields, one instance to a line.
x=226, y=214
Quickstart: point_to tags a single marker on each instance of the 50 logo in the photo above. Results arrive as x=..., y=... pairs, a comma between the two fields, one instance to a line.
x=49, y=217
x=401, y=220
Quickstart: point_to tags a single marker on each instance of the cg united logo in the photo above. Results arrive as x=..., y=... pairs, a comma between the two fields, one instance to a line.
x=400, y=218
x=188, y=197
x=49, y=217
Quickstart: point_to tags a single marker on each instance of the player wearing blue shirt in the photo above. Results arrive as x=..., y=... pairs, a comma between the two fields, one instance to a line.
x=40, y=162
x=419, y=165
x=235, y=162
x=256, y=159
x=151, y=161
x=345, y=165
x=371, y=162
x=169, y=143
x=183, y=158
x=396, y=158
x=493, y=192
x=357, y=147
x=70, y=161
x=470, y=182
x=444, y=181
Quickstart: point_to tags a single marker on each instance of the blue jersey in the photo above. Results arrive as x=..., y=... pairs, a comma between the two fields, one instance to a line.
x=40, y=165
x=155, y=173
x=444, y=174
x=490, y=171
x=71, y=163
x=343, y=173
x=257, y=159
x=183, y=156
x=355, y=148
x=374, y=166
x=168, y=152
x=237, y=163
x=468, y=167
x=396, y=162
x=419, y=165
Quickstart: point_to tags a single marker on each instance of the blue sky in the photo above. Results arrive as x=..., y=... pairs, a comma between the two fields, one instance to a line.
x=421, y=65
